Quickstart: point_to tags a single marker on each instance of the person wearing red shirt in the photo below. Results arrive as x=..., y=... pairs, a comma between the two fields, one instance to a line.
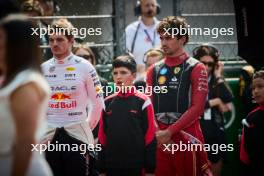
x=178, y=110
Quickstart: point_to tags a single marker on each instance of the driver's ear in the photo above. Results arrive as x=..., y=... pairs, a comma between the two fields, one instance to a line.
x=72, y=40
x=183, y=40
x=134, y=75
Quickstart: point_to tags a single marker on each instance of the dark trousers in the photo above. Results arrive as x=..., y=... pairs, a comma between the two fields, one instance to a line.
x=70, y=163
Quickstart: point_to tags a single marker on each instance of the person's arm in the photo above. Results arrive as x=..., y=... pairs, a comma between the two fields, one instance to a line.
x=224, y=92
x=229, y=106
x=199, y=87
x=224, y=99
x=95, y=98
x=26, y=119
x=222, y=107
x=150, y=140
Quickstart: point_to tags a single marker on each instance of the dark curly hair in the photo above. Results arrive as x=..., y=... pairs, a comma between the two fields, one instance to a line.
x=177, y=22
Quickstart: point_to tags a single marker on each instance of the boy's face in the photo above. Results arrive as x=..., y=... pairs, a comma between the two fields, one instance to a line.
x=123, y=76
x=258, y=90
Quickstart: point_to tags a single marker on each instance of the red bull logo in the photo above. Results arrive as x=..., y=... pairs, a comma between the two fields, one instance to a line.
x=63, y=105
x=60, y=96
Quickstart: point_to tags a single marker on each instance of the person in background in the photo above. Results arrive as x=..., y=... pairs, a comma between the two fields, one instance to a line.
x=141, y=35
x=251, y=146
x=245, y=93
x=85, y=52
x=22, y=88
x=219, y=100
x=7, y=7
x=153, y=56
x=50, y=7
x=150, y=57
x=32, y=8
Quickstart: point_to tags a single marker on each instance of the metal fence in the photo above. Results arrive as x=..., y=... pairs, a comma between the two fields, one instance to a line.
x=113, y=16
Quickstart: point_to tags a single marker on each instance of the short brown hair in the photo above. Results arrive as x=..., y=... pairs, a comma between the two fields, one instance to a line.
x=154, y=52
x=171, y=22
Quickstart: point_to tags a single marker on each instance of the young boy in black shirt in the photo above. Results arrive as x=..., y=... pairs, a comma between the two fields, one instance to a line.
x=127, y=126
x=251, y=147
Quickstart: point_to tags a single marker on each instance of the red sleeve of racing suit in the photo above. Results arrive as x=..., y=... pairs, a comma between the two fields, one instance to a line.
x=101, y=133
x=199, y=87
x=150, y=140
x=102, y=141
x=244, y=158
x=151, y=125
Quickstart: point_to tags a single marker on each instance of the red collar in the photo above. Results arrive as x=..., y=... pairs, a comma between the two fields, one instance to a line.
x=261, y=107
x=127, y=92
x=173, y=61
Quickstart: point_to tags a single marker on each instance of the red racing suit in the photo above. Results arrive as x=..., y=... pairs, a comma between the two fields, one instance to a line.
x=186, y=81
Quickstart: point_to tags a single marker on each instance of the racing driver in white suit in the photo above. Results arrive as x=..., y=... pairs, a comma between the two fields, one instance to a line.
x=74, y=86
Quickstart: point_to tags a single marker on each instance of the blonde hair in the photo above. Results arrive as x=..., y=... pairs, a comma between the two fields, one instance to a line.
x=64, y=27
x=154, y=52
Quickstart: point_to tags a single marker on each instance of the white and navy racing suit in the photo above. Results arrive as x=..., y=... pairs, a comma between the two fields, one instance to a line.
x=74, y=86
